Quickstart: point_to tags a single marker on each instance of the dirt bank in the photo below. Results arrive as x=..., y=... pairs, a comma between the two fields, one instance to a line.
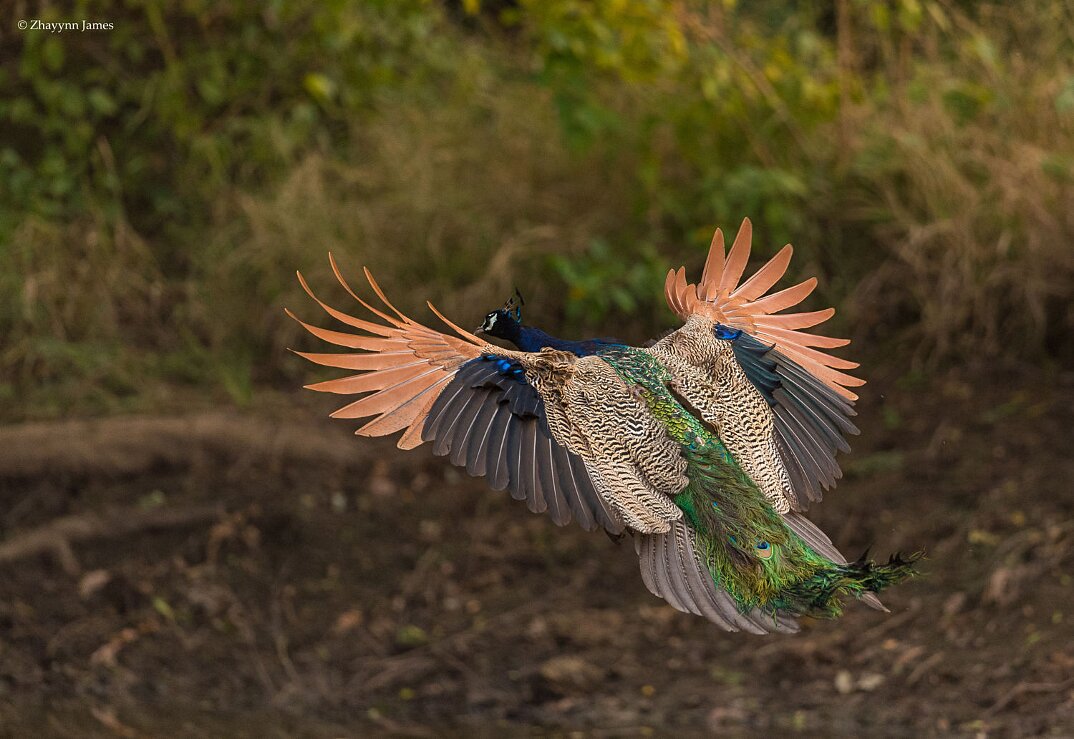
x=246, y=575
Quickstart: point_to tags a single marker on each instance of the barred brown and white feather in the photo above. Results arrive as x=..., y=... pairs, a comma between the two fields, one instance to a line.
x=633, y=462
x=708, y=376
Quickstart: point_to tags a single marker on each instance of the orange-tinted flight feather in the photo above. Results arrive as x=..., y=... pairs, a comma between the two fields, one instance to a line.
x=403, y=368
x=719, y=297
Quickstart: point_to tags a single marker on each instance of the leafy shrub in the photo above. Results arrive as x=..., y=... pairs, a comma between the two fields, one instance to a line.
x=159, y=182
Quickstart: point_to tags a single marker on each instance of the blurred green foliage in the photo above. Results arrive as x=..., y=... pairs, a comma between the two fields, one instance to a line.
x=180, y=100
x=160, y=181
x=601, y=283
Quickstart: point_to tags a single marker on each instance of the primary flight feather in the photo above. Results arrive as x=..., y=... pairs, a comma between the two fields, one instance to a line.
x=706, y=446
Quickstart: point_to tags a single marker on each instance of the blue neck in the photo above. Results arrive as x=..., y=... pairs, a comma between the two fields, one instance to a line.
x=530, y=339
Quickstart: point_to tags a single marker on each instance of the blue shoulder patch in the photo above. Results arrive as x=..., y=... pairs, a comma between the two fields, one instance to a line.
x=727, y=333
x=506, y=367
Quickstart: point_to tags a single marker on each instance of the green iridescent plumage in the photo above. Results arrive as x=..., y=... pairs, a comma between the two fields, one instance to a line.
x=748, y=548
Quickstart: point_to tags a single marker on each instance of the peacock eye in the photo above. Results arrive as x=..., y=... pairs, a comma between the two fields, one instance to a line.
x=764, y=550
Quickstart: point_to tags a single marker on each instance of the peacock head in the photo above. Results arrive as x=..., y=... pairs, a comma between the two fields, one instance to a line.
x=504, y=323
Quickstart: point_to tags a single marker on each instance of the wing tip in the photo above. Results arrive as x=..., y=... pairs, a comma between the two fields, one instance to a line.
x=871, y=600
x=457, y=329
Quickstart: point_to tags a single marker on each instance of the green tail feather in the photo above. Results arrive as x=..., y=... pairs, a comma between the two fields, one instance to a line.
x=819, y=596
x=757, y=558
x=749, y=549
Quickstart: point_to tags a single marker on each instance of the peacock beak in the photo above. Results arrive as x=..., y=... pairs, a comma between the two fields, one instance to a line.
x=479, y=330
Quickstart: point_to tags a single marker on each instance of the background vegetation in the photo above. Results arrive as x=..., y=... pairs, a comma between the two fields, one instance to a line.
x=255, y=572
x=160, y=182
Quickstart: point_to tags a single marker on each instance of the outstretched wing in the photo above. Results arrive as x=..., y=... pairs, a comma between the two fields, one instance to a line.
x=811, y=420
x=719, y=297
x=475, y=406
x=494, y=424
x=782, y=406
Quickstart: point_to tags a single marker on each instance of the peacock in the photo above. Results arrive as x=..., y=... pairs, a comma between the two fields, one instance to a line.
x=706, y=446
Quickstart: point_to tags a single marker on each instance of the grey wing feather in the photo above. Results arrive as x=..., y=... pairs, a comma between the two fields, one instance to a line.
x=527, y=469
x=811, y=420
x=812, y=391
x=811, y=424
x=817, y=540
x=796, y=473
x=477, y=447
x=589, y=496
x=665, y=581
x=444, y=413
x=564, y=474
x=558, y=509
x=494, y=426
x=795, y=437
x=490, y=459
x=501, y=475
x=672, y=570
x=515, y=477
x=461, y=442
x=831, y=431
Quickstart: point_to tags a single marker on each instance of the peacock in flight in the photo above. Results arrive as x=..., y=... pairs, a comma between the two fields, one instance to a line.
x=706, y=446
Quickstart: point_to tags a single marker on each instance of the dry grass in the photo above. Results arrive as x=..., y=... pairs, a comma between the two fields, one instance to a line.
x=945, y=191
x=973, y=199
x=455, y=205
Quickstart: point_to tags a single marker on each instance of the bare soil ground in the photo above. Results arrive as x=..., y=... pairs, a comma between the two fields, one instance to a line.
x=269, y=575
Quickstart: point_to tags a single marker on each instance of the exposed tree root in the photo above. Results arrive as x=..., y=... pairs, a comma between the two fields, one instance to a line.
x=126, y=446
x=57, y=537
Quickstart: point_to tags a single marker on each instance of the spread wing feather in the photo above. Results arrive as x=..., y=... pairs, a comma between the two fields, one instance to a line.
x=449, y=390
x=495, y=426
x=811, y=420
x=806, y=389
x=719, y=297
